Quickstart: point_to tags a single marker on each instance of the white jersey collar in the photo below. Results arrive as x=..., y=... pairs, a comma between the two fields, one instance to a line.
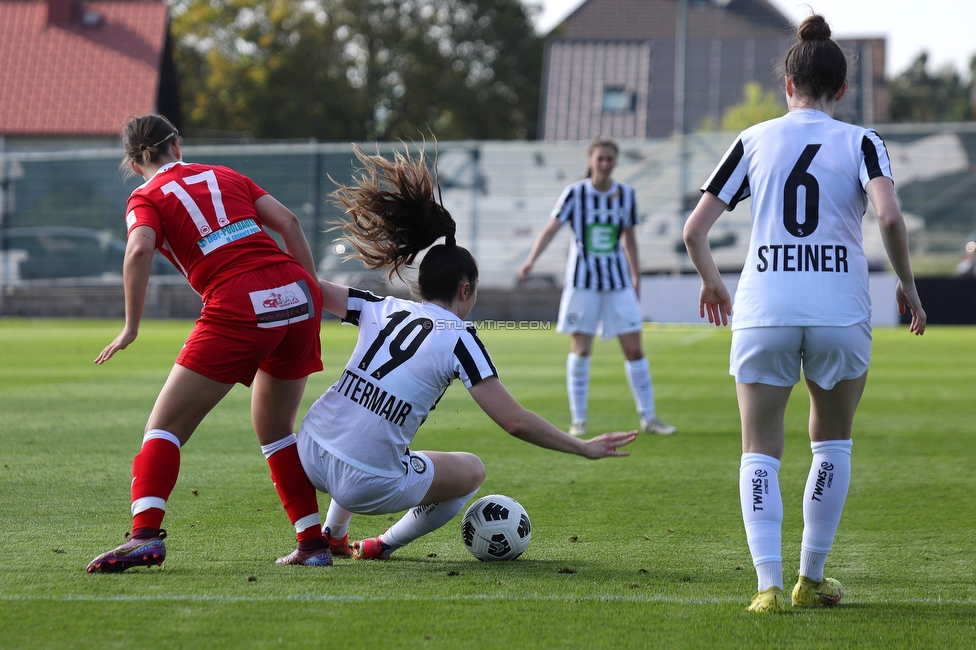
x=613, y=186
x=162, y=169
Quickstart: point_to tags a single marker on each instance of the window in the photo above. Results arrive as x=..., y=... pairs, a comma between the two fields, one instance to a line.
x=617, y=100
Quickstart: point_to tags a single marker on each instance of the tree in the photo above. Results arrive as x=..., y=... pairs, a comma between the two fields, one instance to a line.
x=359, y=69
x=265, y=69
x=917, y=96
x=757, y=106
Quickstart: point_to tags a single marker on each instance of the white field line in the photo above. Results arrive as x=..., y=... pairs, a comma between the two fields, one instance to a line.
x=440, y=599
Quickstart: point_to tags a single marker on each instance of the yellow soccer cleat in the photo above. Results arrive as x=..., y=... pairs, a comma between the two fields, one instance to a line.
x=810, y=593
x=769, y=601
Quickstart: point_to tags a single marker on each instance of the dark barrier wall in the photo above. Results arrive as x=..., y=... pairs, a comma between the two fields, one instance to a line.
x=178, y=300
x=947, y=301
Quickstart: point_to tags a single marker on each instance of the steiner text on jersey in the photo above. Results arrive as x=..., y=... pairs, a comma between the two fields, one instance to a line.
x=827, y=258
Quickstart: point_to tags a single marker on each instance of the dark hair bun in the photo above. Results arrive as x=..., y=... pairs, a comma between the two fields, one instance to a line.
x=814, y=28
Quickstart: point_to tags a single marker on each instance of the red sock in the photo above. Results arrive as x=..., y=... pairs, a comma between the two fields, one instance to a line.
x=296, y=492
x=154, y=473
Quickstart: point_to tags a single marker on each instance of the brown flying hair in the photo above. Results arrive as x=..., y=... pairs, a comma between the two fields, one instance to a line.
x=392, y=215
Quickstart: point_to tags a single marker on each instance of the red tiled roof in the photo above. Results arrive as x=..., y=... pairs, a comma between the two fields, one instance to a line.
x=72, y=79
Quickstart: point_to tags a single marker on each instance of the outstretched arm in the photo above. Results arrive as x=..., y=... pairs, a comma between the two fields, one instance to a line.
x=335, y=298
x=543, y=240
x=495, y=400
x=136, y=267
x=881, y=191
x=714, y=300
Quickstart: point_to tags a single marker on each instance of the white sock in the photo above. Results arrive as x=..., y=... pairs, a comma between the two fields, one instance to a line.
x=762, y=513
x=278, y=445
x=577, y=384
x=337, y=520
x=641, y=386
x=823, y=503
x=421, y=520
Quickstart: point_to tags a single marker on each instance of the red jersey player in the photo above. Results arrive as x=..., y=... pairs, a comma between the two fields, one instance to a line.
x=259, y=325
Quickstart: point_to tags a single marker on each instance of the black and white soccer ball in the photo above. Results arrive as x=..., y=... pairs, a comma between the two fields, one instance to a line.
x=496, y=527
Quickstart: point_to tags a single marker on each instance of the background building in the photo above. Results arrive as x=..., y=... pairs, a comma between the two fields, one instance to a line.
x=610, y=67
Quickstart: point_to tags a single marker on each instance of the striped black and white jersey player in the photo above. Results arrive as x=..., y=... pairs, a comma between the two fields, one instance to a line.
x=601, y=291
x=407, y=355
x=806, y=263
x=598, y=218
x=355, y=441
x=802, y=307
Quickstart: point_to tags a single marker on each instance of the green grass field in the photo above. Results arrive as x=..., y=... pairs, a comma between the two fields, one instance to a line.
x=639, y=552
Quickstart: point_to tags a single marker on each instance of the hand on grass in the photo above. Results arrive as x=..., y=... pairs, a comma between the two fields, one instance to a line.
x=606, y=444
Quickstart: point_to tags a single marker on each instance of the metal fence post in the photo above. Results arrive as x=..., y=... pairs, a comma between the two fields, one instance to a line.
x=316, y=200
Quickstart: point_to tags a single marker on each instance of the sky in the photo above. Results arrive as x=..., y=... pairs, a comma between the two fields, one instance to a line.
x=946, y=29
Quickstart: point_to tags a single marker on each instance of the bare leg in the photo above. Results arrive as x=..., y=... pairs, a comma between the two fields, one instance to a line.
x=457, y=476
x=632, y=346
x=184, y=401
x=582, y=344
x=456, y=473
x=762, y=410
x=832, y=411
x=274, y=408
x=831, y=422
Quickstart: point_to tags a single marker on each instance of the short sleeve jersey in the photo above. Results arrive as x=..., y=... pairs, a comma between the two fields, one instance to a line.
x=806, y=174
x=205, y=222
x=407, y=355
x=596, y=259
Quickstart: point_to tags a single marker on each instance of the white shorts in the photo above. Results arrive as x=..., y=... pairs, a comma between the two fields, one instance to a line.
x=775, y=355
x=360, y=491
x=587, y=311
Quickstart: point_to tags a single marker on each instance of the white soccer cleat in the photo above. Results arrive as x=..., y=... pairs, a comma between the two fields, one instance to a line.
x=655, y=425
x=577, y=428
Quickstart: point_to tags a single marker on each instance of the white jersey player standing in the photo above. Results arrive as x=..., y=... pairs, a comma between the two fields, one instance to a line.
x=354, y=442
x=802, y=302
x=600, y=292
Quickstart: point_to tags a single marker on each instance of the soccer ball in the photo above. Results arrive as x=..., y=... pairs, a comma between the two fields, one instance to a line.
x=496, y=527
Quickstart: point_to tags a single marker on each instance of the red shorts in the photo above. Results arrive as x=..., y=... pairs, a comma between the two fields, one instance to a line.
x=267, y=319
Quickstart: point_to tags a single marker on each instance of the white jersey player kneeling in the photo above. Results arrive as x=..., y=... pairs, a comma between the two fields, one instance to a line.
x=354, y=442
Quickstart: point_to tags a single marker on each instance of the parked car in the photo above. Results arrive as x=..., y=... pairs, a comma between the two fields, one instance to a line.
x=46, y=252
